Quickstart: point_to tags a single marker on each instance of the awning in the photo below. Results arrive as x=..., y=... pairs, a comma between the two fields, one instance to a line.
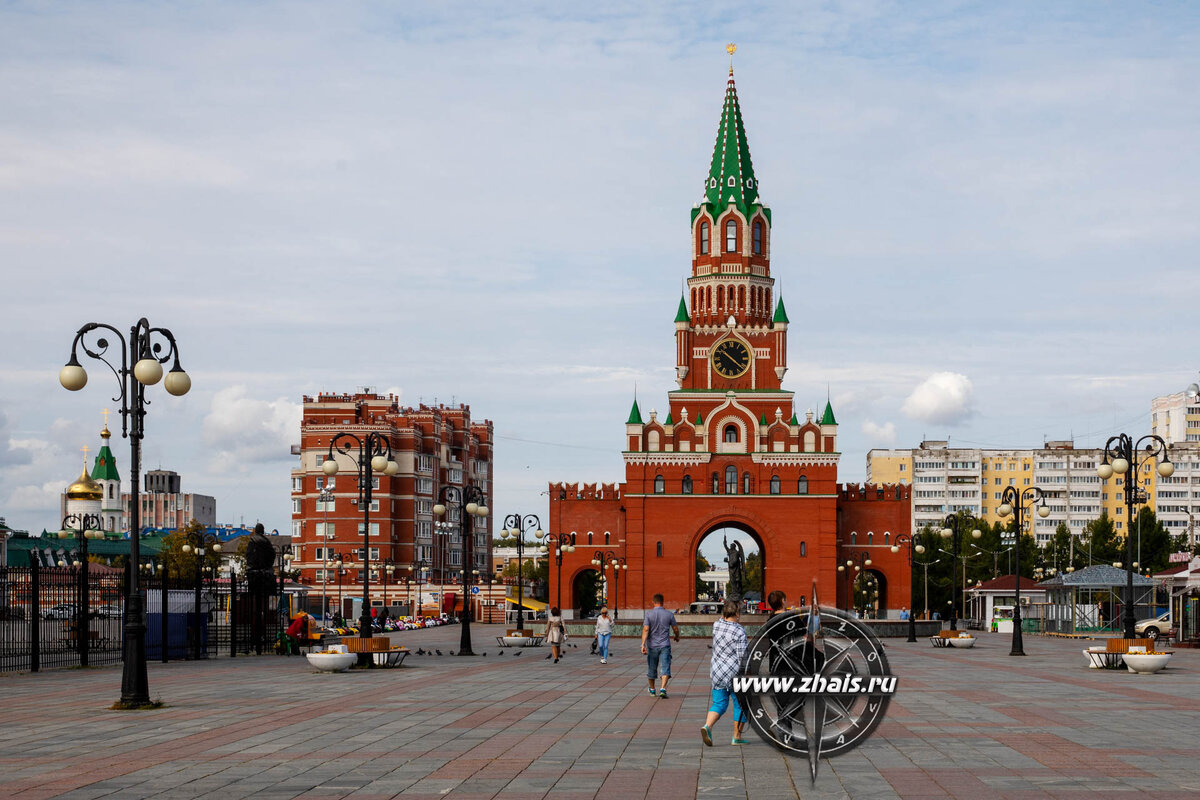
x=530, y=603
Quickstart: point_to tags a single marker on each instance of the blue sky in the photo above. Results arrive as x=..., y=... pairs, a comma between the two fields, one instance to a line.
x=985, y=219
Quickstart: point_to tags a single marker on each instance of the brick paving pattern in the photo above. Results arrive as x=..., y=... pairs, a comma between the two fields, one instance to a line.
x=964, y=723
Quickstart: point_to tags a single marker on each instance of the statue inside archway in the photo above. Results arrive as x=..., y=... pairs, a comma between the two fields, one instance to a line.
x=735, y=557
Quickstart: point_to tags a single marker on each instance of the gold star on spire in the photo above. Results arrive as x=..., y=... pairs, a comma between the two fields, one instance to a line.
x=731, y=48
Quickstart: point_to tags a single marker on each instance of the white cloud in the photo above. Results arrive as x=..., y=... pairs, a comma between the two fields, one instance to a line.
x=943, y=398
x=42, y=498
x=882, y=434
x=245, y=430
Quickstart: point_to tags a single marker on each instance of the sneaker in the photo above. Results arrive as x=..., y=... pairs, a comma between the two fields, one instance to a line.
x=706, y=735
x=604, y=661
x=556, y=661
x=663, y=694
x=651, y=691
x=739, y=741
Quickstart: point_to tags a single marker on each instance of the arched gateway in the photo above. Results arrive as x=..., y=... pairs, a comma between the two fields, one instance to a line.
x=732, y=448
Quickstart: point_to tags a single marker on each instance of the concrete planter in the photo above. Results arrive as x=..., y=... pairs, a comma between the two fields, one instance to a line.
x=332, y=662
x=517, y=641
x=962, y=641
x=1146, y=663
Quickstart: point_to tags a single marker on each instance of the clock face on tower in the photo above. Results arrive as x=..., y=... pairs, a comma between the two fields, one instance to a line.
x=730, y=358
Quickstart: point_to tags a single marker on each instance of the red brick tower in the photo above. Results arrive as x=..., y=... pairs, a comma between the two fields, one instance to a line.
x=732, y=451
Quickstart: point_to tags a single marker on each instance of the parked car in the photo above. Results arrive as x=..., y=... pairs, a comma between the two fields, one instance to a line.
x=60, y=611
x=108, y=612
x=1151, y=628
x=12, y=612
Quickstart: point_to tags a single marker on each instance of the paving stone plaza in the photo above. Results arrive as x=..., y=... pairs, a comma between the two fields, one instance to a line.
x=964, y=723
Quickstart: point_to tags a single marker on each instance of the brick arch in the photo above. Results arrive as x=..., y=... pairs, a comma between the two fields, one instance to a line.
x=569, y=579
x=745, y=423
x=747, y=523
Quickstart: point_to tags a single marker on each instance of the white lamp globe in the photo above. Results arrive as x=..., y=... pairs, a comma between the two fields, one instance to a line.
x=482, y=511
x=895, y=549
x=330, y=467
x=1166, y=469
x=920, y=548
x=472, y=508
x=1120, y=466
x=148, y=371
x=946, y=533
x=187, y=548
x=439, y=509
x=392, y=468
x=539, y=533
x=975, y=534
x=1105, y=471
x=1043, y=511
x=1004, y=510
x=217, y=547
x=379, y=463
x=72, y=377
x=178, y=382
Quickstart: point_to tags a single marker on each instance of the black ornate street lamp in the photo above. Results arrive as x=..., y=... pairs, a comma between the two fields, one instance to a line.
x=142, y=357
x=82, y=527
x=198, y=542
x=953, y=529
x=851, y=569
x=515, y=527
x=995, y=554
x=370, y=453
x=621, y=569
x=1018, y=503
x=1123, y=457
x=563, y=543
x=906, y=540
x=604, y=559
x=471, y=502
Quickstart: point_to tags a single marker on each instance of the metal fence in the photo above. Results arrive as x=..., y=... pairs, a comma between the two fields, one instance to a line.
x=59, y=617
x=73, y=616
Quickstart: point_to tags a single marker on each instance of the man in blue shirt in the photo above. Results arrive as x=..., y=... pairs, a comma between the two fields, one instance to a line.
x=657, y=628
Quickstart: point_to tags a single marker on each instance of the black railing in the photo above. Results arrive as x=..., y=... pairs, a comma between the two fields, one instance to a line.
x=49, y=617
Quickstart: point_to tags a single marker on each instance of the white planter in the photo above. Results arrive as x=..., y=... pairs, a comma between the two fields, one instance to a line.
x=1146, y=663
x=517, y=641
x=332, y=662
x=963, y=641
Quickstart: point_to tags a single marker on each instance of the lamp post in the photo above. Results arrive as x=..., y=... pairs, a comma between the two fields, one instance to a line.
x=421, y=568
x=515, y=527
x=197, y=546
x=953, y=530
x=563, y=543
x=855, y=562
x=1018, y=503
x=995, y=554
x=622, y=570
x=604, y=559
x=906, y=540
x=389, y=570
x=325, y=498
x=370, y=453
x=82, y=527
x=1123, y=457
x=142, y=357
x=441, y=532
x=471, y=502
x=925, y=565
x=337, y=566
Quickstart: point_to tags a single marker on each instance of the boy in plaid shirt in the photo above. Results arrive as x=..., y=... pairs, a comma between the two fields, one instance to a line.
x=728, y=647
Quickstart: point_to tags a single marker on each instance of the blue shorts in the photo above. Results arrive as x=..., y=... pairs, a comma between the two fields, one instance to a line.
x=658, y=661
x=720, y=702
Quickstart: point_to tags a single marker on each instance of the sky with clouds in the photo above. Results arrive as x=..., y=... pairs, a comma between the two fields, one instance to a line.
x=985, y=219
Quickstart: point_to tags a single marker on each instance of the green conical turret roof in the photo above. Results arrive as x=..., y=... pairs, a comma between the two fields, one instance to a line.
x=794, y=420
x=763, y=419
x=105, y=468
x=699, y=418
x=635, y=414
x=780, y=313
x=682, y=314
x=731, y=175
x=827, y=417
x=669, y=420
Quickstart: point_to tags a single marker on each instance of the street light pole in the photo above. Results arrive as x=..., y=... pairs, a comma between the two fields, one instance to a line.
x=83, y=527
x=953, y=529
x=471, y=502
x=907, y=540
x=515, y=526
x=372, y=452
x=603, y=559
x=563, y=543
x=856, y=561
x=325, y=498
x=1018, y=503
x=1123, y=457
x=142, y=357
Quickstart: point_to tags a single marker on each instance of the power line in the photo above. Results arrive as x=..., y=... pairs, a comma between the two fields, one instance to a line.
x=554, y=444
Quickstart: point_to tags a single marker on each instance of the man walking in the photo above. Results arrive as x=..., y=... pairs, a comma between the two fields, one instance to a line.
x=657, y=628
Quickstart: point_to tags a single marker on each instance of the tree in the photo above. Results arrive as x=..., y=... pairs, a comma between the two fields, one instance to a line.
x=587, y=590
x=1152, y=540
x=1101, y=542
x=753, y=574
x=702, y=565
x=181, y=564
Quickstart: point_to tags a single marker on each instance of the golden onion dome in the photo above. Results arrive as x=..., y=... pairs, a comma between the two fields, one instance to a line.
x=104, y=434
x=85, y=488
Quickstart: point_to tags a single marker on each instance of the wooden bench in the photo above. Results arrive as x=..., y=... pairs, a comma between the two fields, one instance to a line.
x=942, y=638
x=1123, y=645
x=1112, y=655
x=380, y=648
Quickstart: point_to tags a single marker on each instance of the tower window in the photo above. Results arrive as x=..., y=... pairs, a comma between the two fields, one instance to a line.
x=802, y=485
x=731, y=480
x=758, y=238
x=704, y=238
x=658, y=549
x=774, y=484
x=687, y=484
x=803, y=549
x=745, y=483
x=716, y=484
x=731, y=434
x=732, y=182
x=730, y=236
x=660, y=484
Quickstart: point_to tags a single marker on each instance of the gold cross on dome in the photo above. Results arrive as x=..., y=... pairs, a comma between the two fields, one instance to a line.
x=731, y=48
x=85, y=452
x=105, y=413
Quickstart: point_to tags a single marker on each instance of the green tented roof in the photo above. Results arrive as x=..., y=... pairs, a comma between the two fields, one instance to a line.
x=794, y=420
x=763, y=419
x=780, y=313
x=682, y=314
x=827, y=417
x=699, y=418
x=105, y=468
x=669, y=420
x=635, y=414
x=731, y=174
